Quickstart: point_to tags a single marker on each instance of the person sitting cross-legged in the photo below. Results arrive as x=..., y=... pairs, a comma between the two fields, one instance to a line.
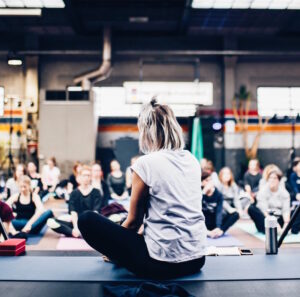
x=31, y=216
x=273, y=198
x=216, y=221
x=165, y=198
x=84, y=198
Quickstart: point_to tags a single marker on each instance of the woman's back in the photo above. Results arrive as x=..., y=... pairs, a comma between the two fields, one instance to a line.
x=174, y=223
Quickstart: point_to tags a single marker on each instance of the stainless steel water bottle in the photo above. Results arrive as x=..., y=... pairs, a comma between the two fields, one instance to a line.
x=271, y=234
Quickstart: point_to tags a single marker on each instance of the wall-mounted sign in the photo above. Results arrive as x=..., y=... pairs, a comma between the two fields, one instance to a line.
x=170, y=92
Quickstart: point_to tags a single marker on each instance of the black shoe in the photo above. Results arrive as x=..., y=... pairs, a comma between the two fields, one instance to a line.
x=19, y=235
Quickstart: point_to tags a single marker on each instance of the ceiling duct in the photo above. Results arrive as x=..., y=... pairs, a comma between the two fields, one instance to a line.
x=101, y=73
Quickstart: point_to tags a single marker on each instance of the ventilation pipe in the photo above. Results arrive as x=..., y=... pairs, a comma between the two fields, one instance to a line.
x=103, y=72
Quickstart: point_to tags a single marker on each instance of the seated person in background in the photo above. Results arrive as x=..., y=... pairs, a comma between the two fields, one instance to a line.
x=263, y=182
x=294, y=179
x=116, y=182
x=209, y=167
x=50, y=175
x=203, y=164
x=12, y=184
x=6, y=216
x=84, y=198
x=273, y=198
x=212, y=206
x=73, y=179
x=252, y=178
x=129, y=174
x=31, y=215
x=36, y=181
x=99, y=183
x=230, y=191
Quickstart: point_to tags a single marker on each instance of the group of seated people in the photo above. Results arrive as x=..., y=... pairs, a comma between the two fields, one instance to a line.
x=224, y=201
x=22, y=199
x=259, y=194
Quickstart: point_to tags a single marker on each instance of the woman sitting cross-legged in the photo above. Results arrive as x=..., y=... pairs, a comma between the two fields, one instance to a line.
x=116, y=182
x=275, y=198
x=231, y=192
x=217, y=221
x=166, y=197
x=84, y=198
x=31, y=215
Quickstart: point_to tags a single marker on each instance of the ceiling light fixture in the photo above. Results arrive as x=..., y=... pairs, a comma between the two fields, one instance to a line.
x=20, y=12
x=32, y=3
x=14, y=60
x=138, y=19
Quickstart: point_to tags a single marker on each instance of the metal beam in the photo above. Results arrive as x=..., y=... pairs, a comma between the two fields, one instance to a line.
x=160, y=53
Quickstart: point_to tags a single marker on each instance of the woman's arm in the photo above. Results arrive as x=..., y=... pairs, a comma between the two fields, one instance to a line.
x=113, y=195
x=139, y=196
x=74, y=218
x=38, y=211
x=219, y=208
x=236, y=201
x=286, y=210
x=262, y=202
x=128, y=178
x=11, y=200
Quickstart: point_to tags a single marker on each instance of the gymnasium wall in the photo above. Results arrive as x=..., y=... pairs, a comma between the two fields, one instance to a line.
x=62, y=140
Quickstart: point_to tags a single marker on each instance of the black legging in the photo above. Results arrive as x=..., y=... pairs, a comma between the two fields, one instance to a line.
x=258, y=218
x=65, y=228
x=228, y=219
x=128, y=249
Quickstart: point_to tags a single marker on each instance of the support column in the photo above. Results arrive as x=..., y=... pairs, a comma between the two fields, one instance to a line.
x=31, y=92
x=229, y=64
x=31, y=106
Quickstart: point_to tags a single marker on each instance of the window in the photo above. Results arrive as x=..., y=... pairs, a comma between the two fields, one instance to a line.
x=71, y=94
x=111, y=102
x=55, y=95
x=282, y=101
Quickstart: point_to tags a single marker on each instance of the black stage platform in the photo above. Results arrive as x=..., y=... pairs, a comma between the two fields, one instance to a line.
x=259, y=288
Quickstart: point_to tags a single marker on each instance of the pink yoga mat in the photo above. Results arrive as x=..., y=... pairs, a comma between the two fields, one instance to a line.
x=71, y=244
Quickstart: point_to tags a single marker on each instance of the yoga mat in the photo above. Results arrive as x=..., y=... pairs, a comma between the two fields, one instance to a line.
x=72, y=244
x=34, y=239
x=225, y=240
x=251, y=229
x=93, y=269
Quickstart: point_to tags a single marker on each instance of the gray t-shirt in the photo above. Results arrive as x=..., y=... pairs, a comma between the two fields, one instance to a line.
x=277, y=201
x=174, y=227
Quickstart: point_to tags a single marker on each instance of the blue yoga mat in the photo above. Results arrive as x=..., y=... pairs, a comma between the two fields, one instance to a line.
x=34, y=239
x=223, y=241
x=90, y=269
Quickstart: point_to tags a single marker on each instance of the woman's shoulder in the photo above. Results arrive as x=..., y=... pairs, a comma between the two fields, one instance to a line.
x=10, y=181
x=95, y=191
x=283, y=192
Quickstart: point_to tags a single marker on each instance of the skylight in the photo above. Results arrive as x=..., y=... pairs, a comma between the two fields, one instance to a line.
x=246, y=4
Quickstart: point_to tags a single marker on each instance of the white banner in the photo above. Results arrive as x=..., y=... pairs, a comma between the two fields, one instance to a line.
x=170, y=92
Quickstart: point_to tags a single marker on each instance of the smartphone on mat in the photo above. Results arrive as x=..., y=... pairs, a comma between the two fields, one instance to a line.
x=246, y=252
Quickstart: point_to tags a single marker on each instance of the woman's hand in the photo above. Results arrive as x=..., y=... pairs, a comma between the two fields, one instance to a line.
x=27, y=228
x=215, y=233
x=76, y=233
x=106, y=259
